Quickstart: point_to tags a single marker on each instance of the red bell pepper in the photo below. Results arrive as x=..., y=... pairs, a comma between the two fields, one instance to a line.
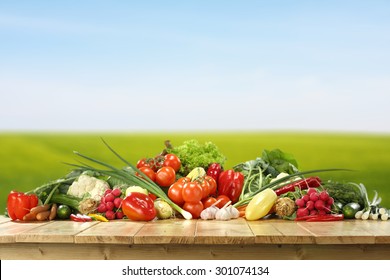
x=230, y=183
x=19, y=204
x=139, y=207
x=214, y=170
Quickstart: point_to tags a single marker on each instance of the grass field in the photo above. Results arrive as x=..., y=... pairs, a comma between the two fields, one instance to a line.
x=31, y=159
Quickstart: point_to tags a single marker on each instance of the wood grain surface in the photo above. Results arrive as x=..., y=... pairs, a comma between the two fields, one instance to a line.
x=195, y=239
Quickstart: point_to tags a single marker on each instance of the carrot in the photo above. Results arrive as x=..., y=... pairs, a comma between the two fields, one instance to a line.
x=39, y=208
x=30, y=217
x=53, y=212
x=41, y=216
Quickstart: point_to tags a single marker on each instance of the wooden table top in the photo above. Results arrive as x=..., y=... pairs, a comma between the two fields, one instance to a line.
x=184, y=232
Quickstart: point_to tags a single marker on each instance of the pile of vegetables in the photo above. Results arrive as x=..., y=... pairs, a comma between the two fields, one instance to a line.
x=189, y=181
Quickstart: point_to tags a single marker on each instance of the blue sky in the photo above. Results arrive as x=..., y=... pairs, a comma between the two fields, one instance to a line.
x=195, y=65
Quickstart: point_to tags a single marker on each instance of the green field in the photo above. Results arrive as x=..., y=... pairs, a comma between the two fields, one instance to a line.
x=31, y=159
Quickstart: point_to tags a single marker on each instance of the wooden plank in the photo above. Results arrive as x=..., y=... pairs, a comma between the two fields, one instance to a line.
x=280, y=232
x=380, y=229
x=235, y=231
x=176, y=231
x=9, y=230
x=3, y=219
x=340, y=232
x=72, y=251
x=54, y=232
x=113, y=232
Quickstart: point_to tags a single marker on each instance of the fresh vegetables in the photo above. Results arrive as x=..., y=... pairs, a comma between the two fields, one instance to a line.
x=194, y=154
x=19, y=204
x=139, y=207
x=351, y=195
x=158, y=188
x=230, y=183
x=260, y=205
x=130, y=177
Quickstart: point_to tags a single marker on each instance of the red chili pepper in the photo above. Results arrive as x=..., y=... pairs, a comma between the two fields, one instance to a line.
x=321, y=218
x=230, y=183
x=311, y=182
x=19, y=204
x=80, y=218
x=214, y=170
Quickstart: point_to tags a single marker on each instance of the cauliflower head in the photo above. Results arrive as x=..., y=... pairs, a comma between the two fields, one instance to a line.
x=88, y=187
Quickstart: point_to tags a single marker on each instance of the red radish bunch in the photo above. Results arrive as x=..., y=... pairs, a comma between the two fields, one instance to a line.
x=111, y=204
x=314, y=202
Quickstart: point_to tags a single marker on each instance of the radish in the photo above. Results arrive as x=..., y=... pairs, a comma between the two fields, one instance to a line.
x=300, y=202
x=311, y=190
x=118, y=202
x=324, y=196
x=301, y=212
x=109, y=197
x=319, y=205
x=306, y=197
x=102, y=208
x=110, y=206
x=110, y=215
x=116, y=192
x=330, y=201
x=310, y=205
x=119, y=215
x=314, y=196
x=313, y=212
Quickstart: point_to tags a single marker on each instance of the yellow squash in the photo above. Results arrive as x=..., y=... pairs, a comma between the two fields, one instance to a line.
x=260, y=205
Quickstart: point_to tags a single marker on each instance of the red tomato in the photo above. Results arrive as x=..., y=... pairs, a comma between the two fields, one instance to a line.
x=148, y=172
x=175, y=193
x=223, y=199
x=165, y=176
x=205, y=188
x=192, y=192
x=142, y=162
x=172, y=161
x=212, y=183
x=138, y=207
x=184, y=180
x=195, y=208
x=207, y=202
x=152, y=196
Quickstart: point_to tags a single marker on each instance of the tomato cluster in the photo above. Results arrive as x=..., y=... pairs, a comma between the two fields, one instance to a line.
x=194, y=196
x=160, y=169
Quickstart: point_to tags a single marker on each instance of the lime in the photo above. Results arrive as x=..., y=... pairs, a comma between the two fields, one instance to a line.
x=350, y=209
x=63, y=212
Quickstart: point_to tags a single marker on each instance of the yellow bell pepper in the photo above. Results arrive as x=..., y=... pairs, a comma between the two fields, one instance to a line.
x=260, y=205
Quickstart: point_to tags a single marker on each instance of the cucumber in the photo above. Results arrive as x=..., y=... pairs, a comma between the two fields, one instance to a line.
x=350, y=209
